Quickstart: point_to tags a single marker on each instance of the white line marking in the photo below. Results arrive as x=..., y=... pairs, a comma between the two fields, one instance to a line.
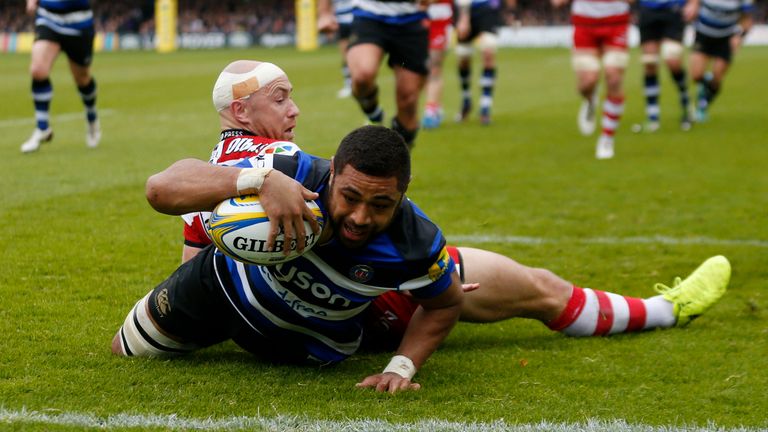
x=59, y=118
x=666, y=240
x=294, y=423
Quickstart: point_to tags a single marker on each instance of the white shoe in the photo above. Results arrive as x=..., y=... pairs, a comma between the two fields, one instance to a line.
x=344, y=93
x=38, y=137
x=586, y=118
x=604, y=148
x=93, y=134
x=648, y=127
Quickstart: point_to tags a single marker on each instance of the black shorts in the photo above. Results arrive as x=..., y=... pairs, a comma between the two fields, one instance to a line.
x=79, y=49
x=192, y=307
x=658, y=24
x=485, y=19
x=344, y=31
x=713, y=46
x=407, y=44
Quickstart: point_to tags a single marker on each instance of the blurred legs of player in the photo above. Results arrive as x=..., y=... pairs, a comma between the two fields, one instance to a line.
x=408, y=52
x=661, y=36
x=718, y=51
x=589, y=44
x=672, y=55
x=508, y=290
x=343, y=41
x=438, y=44
x=488, y=45
x=44, y=54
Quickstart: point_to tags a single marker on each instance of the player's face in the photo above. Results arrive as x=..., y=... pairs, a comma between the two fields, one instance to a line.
x=361, y=206
x=273, y=114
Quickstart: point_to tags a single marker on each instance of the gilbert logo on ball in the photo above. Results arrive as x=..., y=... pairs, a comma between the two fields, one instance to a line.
x=239, y=227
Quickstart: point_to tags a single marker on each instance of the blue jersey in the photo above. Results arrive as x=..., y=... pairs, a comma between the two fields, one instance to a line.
x=315, y=302
x=67, y=17
x=662, y=4
x=720, y=18
x=390, y=11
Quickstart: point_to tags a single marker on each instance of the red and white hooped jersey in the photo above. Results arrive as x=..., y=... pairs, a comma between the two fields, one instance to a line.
x=599, y=12
x=235, y=145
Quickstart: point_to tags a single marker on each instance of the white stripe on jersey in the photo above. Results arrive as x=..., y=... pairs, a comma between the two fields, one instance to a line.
x=599, y=9
x=359, y=288
x=344, y=348
x=67, y=18
x=57, y=28
x=388, y=9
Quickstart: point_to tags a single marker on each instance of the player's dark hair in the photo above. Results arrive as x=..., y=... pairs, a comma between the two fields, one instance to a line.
x=376, y=151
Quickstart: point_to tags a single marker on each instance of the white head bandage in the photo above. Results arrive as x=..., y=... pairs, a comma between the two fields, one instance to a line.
x=232, y=86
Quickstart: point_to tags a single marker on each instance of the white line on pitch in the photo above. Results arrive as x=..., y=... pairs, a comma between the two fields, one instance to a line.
x=294, y=423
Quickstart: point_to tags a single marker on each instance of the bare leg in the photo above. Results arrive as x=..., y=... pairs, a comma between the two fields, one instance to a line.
x=509, y=289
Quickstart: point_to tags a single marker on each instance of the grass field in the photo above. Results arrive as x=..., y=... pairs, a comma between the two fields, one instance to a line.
x=79, y=245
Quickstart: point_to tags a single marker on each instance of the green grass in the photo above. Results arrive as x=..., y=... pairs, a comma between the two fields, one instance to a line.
x=79, y=245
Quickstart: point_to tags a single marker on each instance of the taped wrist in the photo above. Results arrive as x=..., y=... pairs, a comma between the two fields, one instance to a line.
x=402, y=366
x=250, y=180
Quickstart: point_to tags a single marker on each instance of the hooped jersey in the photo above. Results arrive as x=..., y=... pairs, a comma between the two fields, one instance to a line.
x=395, y=12
x=721, y=18
x=67, y=17
x=317, y=300
x=599, y=12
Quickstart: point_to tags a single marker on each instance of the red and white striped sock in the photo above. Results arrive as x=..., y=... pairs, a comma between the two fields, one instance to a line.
x=597, y=313
x=613, y=108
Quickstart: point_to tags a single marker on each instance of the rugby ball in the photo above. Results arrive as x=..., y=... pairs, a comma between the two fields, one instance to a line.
x=239, y=227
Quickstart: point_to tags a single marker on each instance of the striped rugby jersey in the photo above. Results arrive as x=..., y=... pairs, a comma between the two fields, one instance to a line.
x=598, y=12
x=720, y=18
x=390, y=11
x=67, y=17
x=316, y=301
x=343, y=10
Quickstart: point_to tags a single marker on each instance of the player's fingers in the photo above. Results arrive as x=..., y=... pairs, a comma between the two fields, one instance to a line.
x=467, y=287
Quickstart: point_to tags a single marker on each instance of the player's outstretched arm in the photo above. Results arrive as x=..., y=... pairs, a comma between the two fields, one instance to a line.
x=191, y=185
x=429, y=326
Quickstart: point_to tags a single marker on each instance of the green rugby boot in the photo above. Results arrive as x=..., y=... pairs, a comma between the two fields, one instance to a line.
x=699, y=291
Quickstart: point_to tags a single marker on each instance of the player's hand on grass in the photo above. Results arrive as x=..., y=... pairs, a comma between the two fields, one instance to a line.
x=283, y=199
x=388, y=382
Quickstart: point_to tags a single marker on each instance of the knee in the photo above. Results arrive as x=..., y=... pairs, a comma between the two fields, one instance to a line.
x=553, y=292
x=38, y=72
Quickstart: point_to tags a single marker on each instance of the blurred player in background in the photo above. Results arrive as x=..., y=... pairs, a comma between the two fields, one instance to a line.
x=440, y=19
x=478, y=21
x=720, y=30
x=343, y=12
x=397, y=29
x=600, y=36
x=662, y=24
x=61, y=26
x=497, y=288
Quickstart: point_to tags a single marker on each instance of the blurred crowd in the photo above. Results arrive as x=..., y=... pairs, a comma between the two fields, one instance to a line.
x=256, y=17
x=195, y=16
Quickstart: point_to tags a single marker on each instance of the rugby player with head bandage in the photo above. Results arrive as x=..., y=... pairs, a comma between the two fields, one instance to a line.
x=381, y=275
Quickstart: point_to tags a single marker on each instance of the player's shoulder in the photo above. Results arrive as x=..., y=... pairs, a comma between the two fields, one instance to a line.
x=414, y=234
x=234, y=148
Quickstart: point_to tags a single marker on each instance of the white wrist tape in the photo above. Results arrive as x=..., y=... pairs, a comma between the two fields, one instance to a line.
x=250, y=180
x=402, y=366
